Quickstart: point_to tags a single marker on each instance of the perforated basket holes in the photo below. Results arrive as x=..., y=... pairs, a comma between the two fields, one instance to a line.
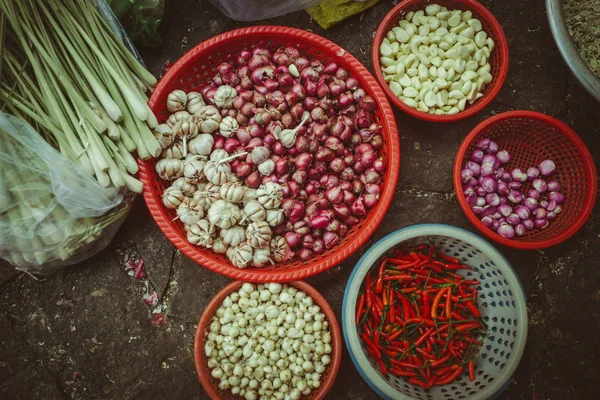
x=529, y=142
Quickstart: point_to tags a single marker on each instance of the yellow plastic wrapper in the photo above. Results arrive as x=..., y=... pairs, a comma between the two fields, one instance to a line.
x=332, y=12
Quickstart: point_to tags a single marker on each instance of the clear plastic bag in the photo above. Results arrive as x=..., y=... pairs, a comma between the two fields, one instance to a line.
x=253, y=10
x=52, y=213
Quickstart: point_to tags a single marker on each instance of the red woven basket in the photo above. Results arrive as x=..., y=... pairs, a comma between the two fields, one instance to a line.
x=211, y=385
x=498, y=60
x=530, y=138
x=194, y=70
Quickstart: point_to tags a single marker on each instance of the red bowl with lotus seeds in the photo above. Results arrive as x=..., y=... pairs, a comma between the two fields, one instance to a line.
x=531, y=138
x=194, y=70
x=498, y=60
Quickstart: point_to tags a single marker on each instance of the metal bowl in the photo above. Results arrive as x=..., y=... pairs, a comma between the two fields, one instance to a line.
x=568, y=50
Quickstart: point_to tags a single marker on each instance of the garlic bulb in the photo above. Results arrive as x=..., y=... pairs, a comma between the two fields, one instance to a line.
x=178, y=116
x=172, y=197
x=207, y=118
x=279, y=249
x=189, y=211
x=259, y=234
x=228, y=126
x=217, y=172
x=176, y=101
x=185, y=129
x=240, y=255
x=274, y=217
x=201, y=233
x=219, y=247
x=261, y=257
x=233, y=236
x=232, y=191
x=187, y=188
x=218, y=155
x=270, y=195
x=207, y=194
x=224, y=214
x=175, y=151
x=259, y=154
x=249, y=194
x=224, y=96
x=287, y=137
x=266, y=167
x=193, y=169
x=169, y=169
x=194, y=102
x=254, y=211
x=201, y=145
x=164, y=135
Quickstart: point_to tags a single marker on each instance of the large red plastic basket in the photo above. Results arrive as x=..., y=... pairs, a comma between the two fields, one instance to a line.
x=211, y=385
x=498, y=60
x=530, y=138
x=194, y=70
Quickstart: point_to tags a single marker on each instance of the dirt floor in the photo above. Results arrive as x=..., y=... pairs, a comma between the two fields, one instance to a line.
x=88, y=333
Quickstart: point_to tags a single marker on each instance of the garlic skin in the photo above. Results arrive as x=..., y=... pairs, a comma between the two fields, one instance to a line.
x=261, y=258
x=254, y=211
x=185, y=129
x=189, y=211
x=259, y=154
x=164, y=135
x=201, y=145
x=169, y=169
x=224, y=214
x=219, y=247
x=233, y=236
x=217, y=172
x=259, y=234
x=274, y=217
x=219, y=155
x=176, y=101
x=175, y=151
x=207, y=118
x=224, y=96
x=193, y=170
x=209, y=193
x=201, y=233
x=270, y=195
x=194, y=102
x=172, y=197
x=279, y=249
x=178, y=116
x=240, y=256
x=232, y=191
x=249, y=194
x=188, y=189
x=266, y=167
x=228, y=126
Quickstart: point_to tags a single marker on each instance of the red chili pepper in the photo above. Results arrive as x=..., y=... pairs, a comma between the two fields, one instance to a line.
x=382, y=367
x=467, y=326
x=392, y=313
x=403, y=364
x=424, y=336
x=448, y=258
x=379, y=282
x=473, y=309
x=471, y=371
x=360, y=308
x=454, y=267
x=449, y=303
x=438, y=362
x=451, y=377
x=399, y=277
x=418, y=382
x=370, y=344
x=399, y=372
x=436, y=302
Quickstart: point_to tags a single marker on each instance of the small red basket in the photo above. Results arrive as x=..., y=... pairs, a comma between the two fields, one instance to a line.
x=530, y=138
x=195, y=69
x=211, y=385
x=498, y=60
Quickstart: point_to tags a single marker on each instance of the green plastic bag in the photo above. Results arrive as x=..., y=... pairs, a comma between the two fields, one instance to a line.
x=141, y=19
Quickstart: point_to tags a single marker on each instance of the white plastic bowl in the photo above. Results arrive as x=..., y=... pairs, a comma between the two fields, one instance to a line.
x=501, y=302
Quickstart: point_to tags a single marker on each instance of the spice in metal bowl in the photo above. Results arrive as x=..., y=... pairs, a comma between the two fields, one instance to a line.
x=581, y=17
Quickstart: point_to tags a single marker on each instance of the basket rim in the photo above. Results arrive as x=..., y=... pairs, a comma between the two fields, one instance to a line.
x=566, y=131
x=501, y=42
x=216, y=301
x=393, y=239
x=391, y=177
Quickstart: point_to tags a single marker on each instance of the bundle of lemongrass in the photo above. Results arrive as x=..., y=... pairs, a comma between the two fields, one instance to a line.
x=68, y=75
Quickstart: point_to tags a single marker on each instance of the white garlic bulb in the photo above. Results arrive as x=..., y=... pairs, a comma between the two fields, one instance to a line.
x=254, y=211
x=169, y=169
x=175, y=151
x=207, y=118
x=259, y=154
x=178, y=116
x=270, y=195
x=194, y=102
x=187, y=188
x=233, y=236
x=218, y=155
x=279, y=248
x=172, y=197
x=217, y=172
x=164, y=135
x=201, y=145
x=274, y=217
x=224, y=214
x=201, y=233
x=249, y=194
x=189, y=211
x=219, y=247
x=259, y=234
x=193, y=169
x=176, y=101
x=240, y=256
x=224, y=96
x=228, y=126
x=261, y=257
x=266, y=167
x=232, y=191
x=185, y=129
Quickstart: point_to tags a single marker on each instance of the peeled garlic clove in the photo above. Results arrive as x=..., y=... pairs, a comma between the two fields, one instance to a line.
x=176, y=101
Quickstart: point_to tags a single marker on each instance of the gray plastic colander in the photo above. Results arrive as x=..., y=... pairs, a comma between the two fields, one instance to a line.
x=501, y=302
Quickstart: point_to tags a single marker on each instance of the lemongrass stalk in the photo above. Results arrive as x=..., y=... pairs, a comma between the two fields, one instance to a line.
x=149, y=140
x=113, y=170
x=126, y=140
x=113, y=129
x=128, y=159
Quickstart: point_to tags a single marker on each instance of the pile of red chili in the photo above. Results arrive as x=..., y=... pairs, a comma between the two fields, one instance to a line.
x=419, y=319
